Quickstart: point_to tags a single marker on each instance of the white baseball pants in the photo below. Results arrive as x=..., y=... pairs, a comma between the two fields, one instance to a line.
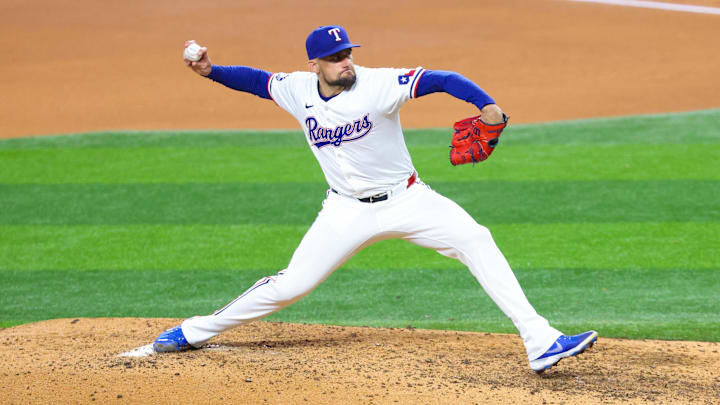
x=345, y=225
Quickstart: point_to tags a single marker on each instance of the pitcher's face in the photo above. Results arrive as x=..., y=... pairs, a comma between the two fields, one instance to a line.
x=337, y=69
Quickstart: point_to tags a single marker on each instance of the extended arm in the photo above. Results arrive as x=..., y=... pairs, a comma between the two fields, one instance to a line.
x=240, y=78
x=458, y=86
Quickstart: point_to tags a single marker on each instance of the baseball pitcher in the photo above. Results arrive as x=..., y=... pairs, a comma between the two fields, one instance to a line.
x=350, y=117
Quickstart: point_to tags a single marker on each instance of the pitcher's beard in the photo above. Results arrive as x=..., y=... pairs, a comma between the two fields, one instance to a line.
x=346, y=82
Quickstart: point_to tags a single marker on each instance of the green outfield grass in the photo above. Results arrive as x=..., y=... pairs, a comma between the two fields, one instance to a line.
x=612, y=224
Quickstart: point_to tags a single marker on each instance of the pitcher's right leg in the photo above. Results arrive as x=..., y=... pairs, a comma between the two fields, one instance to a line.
x=341, y=229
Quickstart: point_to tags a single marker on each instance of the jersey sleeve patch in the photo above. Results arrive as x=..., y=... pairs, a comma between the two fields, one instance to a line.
x=405, y=78
x=279, y=91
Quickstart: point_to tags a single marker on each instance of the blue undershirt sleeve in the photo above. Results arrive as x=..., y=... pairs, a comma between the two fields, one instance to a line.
x=458, y=86
x=242, y=78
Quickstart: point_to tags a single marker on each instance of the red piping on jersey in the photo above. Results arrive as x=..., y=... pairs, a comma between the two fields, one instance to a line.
x=268, y=89
x=412, y=179
x=414, y=91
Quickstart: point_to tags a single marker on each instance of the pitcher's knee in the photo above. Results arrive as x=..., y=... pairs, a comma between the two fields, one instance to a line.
x=469, y=238
x=278, y=289
x=484, y=232
x=287, y=293
x=476, y=237
x=479, y=233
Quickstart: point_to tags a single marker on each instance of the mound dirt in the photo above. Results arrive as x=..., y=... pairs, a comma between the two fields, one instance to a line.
x=78, y=361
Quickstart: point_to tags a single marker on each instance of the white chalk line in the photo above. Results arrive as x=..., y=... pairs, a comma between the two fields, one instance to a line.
x=658, y=5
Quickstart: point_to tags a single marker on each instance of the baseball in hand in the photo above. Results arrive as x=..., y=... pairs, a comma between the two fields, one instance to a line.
x=192, y=52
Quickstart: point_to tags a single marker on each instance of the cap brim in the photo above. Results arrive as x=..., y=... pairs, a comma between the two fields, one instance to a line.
x=337, y=49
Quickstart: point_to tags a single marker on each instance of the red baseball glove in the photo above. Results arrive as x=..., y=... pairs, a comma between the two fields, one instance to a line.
x=474, y=140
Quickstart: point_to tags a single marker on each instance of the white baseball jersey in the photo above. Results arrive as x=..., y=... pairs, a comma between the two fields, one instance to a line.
x=356, y=136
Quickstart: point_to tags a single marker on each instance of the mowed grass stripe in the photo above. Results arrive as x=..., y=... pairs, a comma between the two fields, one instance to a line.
x=269, y=247
x=297, y=164
x=195, y=139
x=701, y=127
x=675, y=128
x=488, y=202
x=662, y=304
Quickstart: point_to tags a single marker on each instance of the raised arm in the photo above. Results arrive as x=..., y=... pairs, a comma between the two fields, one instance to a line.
x=458, y=86
x=241, y=78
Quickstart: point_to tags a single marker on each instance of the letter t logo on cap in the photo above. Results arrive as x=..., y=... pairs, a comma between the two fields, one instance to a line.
x=335, y=31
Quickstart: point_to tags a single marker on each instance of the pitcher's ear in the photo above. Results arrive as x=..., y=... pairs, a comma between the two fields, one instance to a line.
x=313, y=66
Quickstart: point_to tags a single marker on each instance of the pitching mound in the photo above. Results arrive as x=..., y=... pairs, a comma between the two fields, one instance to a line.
x=77, y=361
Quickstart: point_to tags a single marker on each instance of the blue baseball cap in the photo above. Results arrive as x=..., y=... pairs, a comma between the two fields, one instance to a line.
x=327, y=40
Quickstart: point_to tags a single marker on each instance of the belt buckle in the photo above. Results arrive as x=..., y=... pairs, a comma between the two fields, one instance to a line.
x=378, y=197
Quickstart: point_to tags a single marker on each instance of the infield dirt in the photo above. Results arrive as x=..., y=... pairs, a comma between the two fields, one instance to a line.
x=88, y=66
x=76, y=361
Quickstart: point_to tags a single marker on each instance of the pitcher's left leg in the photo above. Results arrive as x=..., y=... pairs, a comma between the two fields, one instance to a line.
x=431, y=220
